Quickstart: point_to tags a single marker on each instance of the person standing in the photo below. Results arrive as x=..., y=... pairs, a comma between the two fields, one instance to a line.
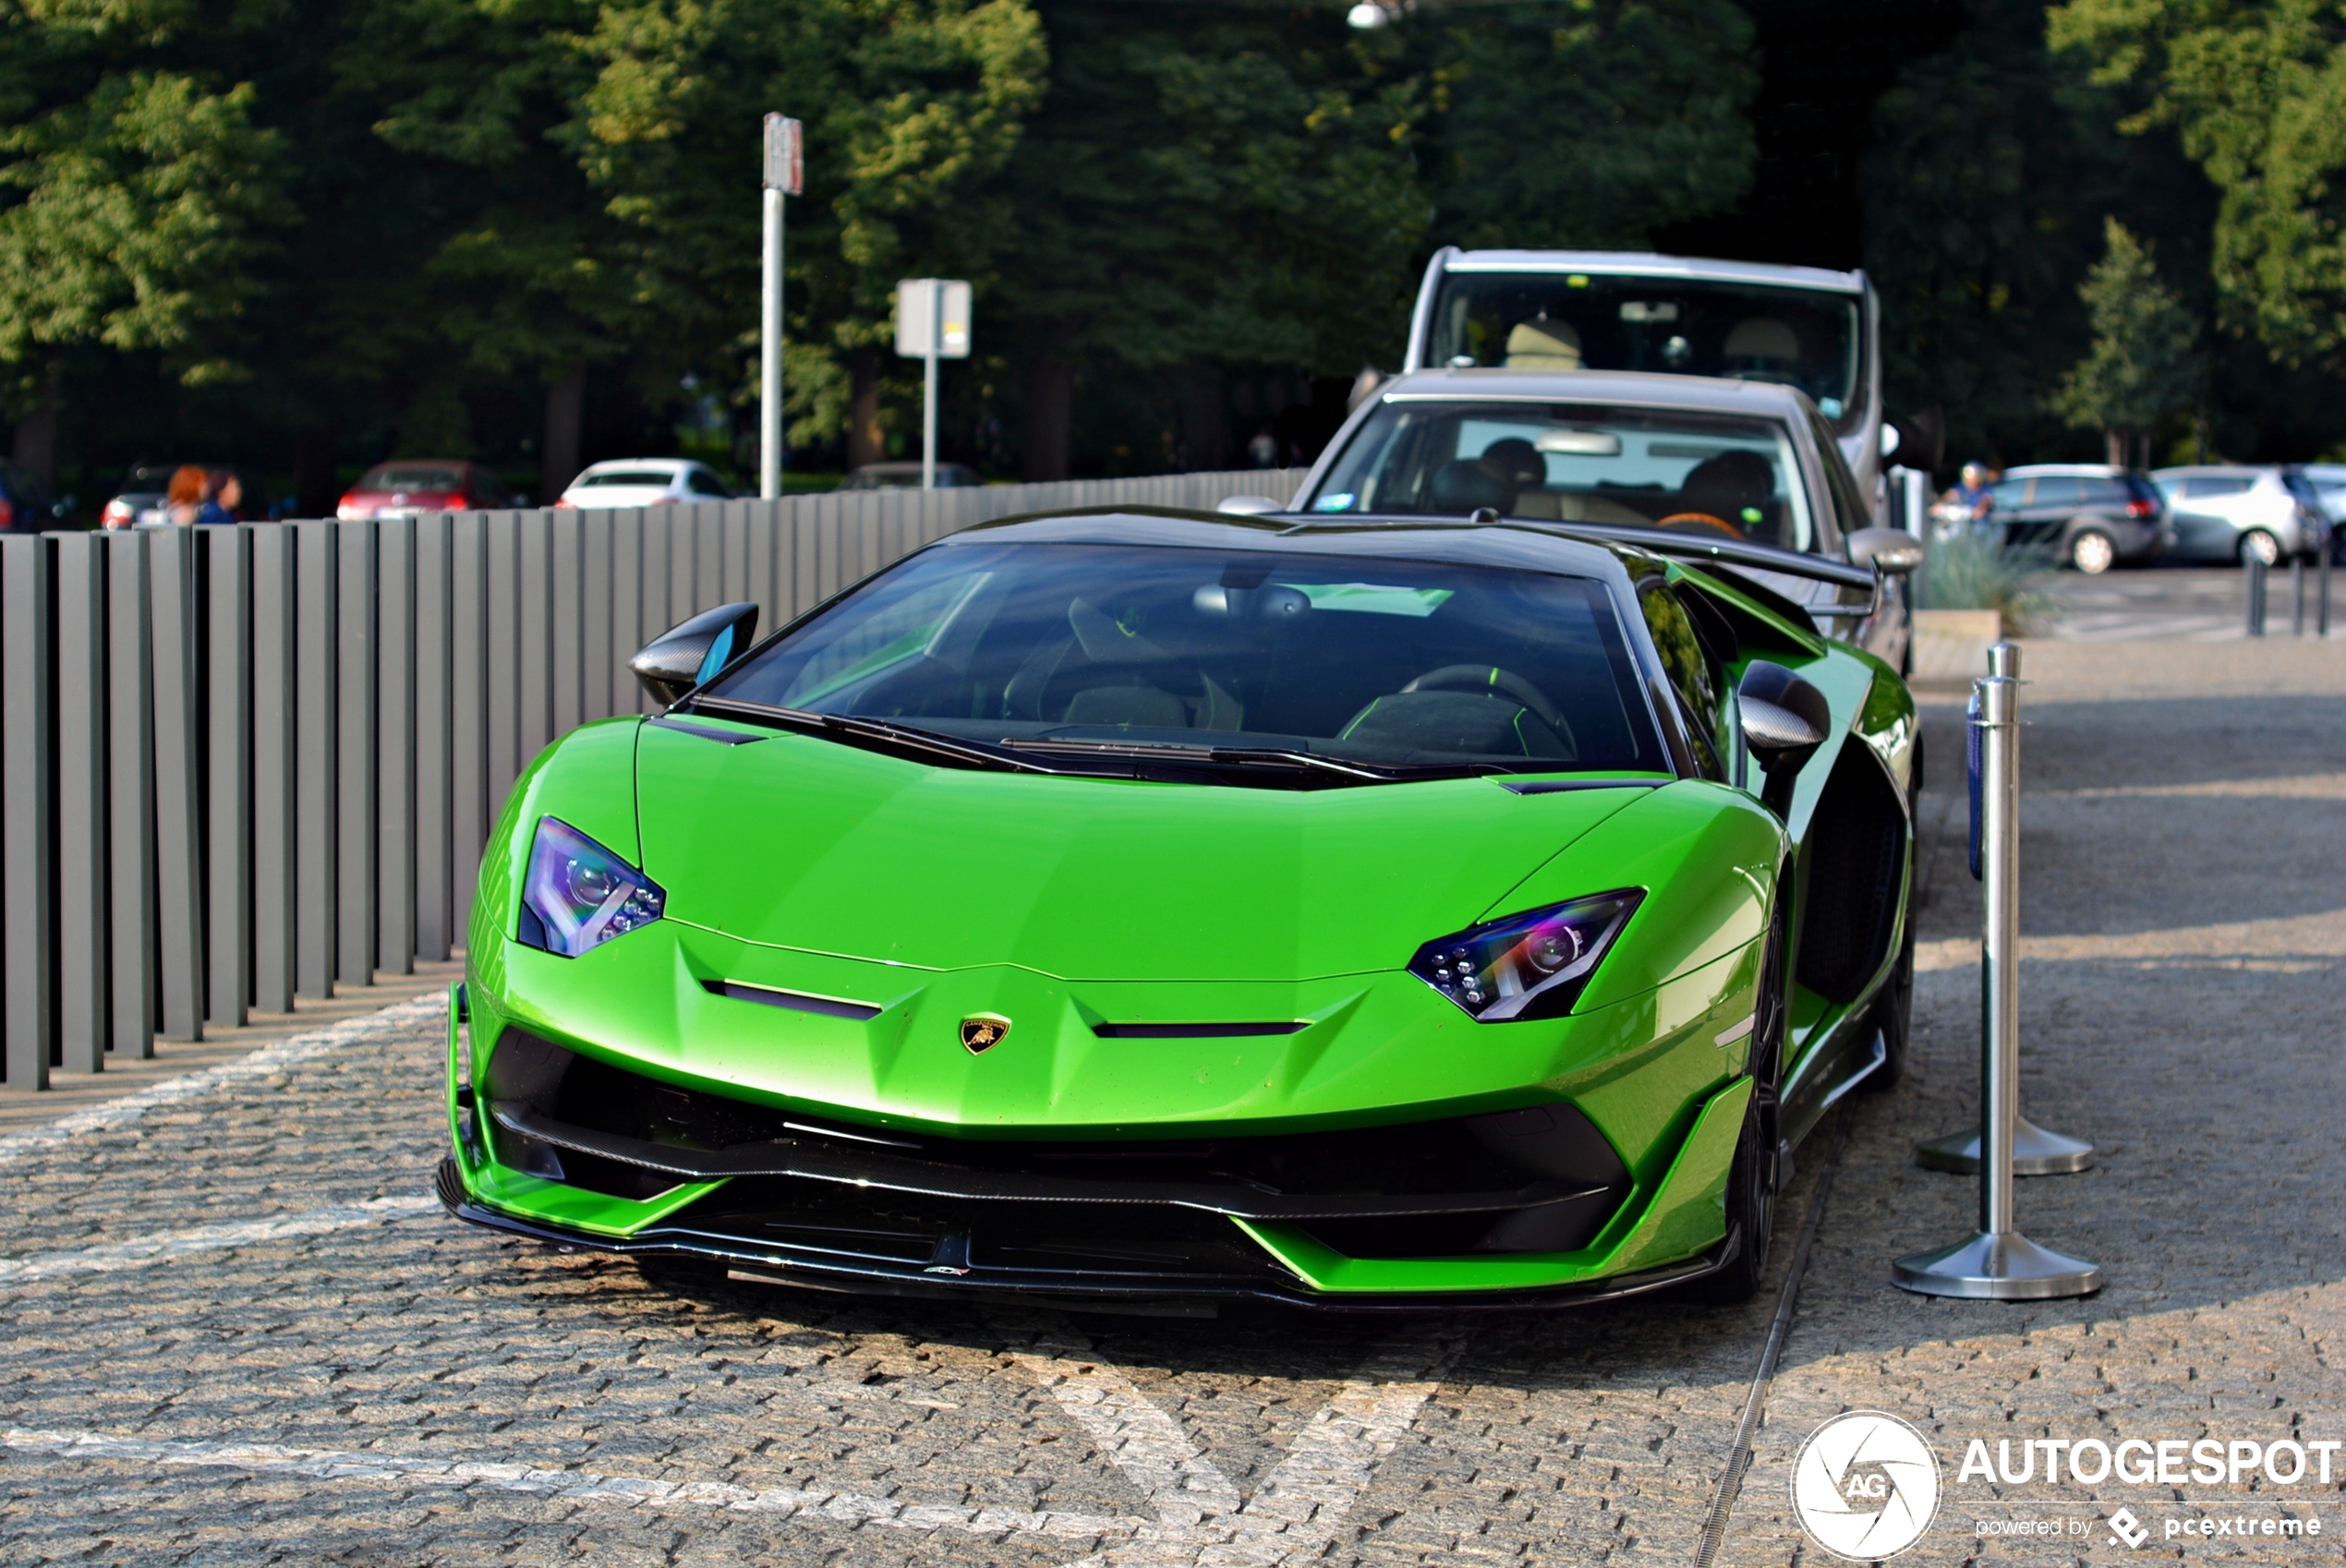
x=222, y=494
x=185, y=497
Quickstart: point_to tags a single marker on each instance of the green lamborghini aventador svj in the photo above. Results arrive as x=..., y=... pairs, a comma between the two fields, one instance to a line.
x=1162, y=907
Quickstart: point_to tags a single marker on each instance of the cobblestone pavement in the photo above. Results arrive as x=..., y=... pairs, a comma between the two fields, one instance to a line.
x=238, y=1332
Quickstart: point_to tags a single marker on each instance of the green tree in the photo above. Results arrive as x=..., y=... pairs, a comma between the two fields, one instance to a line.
x=1627, y=116
x=1203, y=188
x=2143, y=366
x=136, y=200
x=2257, y=91
x=910, y=107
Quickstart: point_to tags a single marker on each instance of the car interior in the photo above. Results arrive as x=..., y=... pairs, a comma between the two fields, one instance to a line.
x=1388, y=660
x=1734, y=477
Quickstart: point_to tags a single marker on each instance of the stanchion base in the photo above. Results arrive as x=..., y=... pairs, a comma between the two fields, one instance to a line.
x=2035, y=1152
x=1996, y=1267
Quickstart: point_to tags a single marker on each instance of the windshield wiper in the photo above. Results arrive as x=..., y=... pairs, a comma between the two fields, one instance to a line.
x=878, y=734
x=1283, y=759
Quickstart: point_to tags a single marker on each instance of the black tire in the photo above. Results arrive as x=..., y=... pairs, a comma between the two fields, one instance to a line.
x=2092, y=551
x=1751, y=1179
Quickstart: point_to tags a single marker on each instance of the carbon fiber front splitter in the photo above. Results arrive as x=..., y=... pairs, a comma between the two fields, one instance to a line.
x=764, y=1261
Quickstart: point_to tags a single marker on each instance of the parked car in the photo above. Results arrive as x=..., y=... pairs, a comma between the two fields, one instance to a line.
x=2087, y=516
x=907, y=1045
x=645, y=481
x=413, y=485
x=907, y=477
x=1747, y=475
x=2230, y=513
x=2329, y=480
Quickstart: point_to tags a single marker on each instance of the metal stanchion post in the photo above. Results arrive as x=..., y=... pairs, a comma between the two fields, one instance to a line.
x=2321, y=608
x=2035, y=1151
x=1998, y=1263
x=2296, y=596
x=2255, y=565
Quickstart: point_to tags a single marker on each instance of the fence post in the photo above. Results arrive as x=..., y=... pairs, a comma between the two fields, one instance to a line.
x=435, y=767
x=84, y=998
x=178, y=783
x=355, y=870
x=30, y=932
x=228, y=805
x=2256, y=571
x=276, y=791
x=131, y=758
x=317, y=647
x=395, y=747
x=2297, y=596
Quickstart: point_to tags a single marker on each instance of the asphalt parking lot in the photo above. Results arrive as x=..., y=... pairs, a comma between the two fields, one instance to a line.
x=240, y=1332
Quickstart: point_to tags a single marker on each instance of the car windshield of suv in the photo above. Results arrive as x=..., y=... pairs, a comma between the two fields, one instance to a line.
x=405, y=476
x=1794, y=337
x=1571, y=462
x=1301, y=660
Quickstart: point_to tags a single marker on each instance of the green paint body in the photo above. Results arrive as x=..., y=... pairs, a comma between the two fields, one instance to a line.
x=937, y=893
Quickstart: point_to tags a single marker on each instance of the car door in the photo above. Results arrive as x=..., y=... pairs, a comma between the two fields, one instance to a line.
x=2204, y=508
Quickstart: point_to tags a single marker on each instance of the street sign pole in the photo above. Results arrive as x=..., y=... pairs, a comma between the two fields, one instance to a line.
x=783, y=176
x=928, y=397
x=931, y=323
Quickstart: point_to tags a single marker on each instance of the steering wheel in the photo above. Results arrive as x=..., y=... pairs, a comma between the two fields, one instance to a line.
x=1690, y=520
x=1488, y=678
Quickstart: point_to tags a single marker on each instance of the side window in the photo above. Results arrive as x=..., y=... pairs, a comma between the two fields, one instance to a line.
x=2058, y=490
x=1693, y=676
x=1852, y=508
x=704, y=484
x=2106, y=492
x=2008, y=495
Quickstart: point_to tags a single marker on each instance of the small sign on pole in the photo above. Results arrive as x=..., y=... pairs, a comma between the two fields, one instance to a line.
x=782, y=173
x=931, y=323
x=785, y=156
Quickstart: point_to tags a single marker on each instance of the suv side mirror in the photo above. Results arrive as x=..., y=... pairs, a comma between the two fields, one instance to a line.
x=692, y=652
x=1893, y=552
x=1784, y=720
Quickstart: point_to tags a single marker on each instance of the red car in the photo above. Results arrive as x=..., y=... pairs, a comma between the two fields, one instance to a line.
x=416, y=483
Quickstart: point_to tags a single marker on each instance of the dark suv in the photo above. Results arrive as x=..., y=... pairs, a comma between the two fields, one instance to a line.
x=2088, y=516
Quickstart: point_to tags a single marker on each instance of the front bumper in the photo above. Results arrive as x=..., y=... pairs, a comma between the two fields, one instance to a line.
x=1412, y=1215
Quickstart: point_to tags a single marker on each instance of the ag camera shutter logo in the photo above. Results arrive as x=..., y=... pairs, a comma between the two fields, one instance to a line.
x=1865, y=1485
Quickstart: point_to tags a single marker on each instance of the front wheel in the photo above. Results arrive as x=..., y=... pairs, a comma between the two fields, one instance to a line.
x=2261, y=545
x=2092, y=552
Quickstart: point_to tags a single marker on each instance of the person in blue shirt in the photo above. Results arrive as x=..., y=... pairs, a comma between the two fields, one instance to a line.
x=222, y=494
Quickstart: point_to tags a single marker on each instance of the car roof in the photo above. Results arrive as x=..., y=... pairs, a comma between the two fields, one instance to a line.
x=2220, y=470
x=1702, y=268
x=1506, y=546
x=673, y=464
x=2065, y=471
x=1636, y=388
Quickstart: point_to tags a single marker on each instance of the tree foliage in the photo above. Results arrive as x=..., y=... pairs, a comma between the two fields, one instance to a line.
x=2257, y=91
x=2144, y=365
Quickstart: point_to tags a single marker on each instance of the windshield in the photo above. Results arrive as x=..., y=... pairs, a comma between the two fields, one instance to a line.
x=1795, y=337
x=1390, y=663
x=657, y=478
x=1571, y=462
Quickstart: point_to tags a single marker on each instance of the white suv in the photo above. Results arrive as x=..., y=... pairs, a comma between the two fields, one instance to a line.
x=2232, y=513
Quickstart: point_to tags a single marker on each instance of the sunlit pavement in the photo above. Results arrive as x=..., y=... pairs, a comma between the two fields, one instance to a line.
x=238, y=1331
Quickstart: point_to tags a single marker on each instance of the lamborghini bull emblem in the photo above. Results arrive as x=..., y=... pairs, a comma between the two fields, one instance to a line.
x=983, y=1031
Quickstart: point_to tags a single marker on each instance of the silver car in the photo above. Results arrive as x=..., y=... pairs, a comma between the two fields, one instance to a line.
x=2231, y=512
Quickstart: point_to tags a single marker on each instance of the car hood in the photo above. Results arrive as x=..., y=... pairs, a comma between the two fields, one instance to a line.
x=803, y=843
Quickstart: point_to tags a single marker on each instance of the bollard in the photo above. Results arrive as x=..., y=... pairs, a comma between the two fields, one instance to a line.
x=2035, y=1151
x=2296, y=596
x=2321, y=605
x=1996, y=1262
x=2255, y=566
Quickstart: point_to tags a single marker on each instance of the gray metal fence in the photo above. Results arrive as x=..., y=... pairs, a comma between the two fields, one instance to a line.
x=239, y=765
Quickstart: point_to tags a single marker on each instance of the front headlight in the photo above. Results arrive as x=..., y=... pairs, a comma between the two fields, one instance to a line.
x=1532, y=965
x=578, y=894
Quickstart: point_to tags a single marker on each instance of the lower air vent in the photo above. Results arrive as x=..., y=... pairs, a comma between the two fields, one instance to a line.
x=1192, y=1031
